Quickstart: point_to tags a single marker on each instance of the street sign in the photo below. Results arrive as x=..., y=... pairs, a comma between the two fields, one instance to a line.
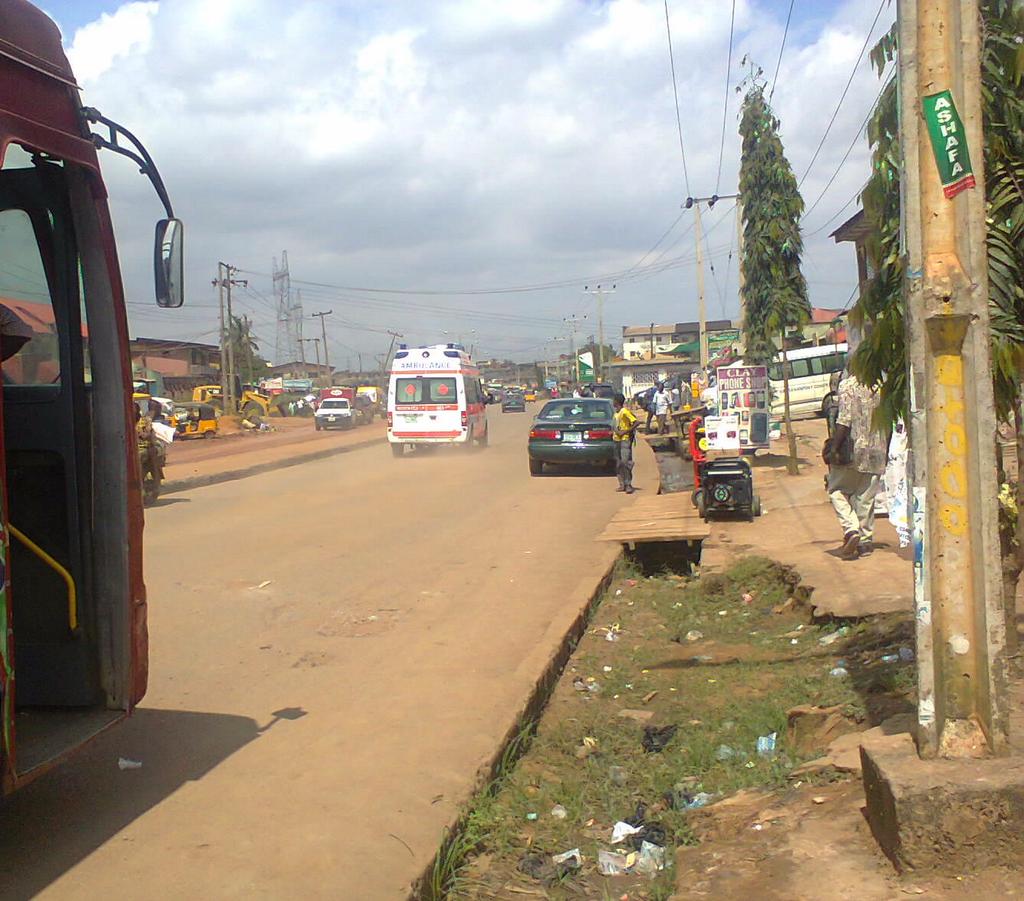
x=586, y=366
x=949, y=143
x=743, y=392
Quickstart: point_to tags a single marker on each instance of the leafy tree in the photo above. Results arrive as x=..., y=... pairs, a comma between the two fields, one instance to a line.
x=774, y=289
x=881, y=357
x=248, y=362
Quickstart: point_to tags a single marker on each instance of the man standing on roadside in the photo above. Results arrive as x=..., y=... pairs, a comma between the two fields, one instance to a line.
x=660, y=402
x=856, y=454
x=623, y=437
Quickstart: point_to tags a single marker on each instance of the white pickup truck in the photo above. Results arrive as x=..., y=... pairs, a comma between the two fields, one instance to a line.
x=334, y=413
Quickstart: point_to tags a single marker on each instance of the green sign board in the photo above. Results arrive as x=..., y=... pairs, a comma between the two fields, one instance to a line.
x=586, y=366
x=949, y=143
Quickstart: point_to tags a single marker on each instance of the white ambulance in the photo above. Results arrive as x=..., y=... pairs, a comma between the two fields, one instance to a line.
x=435, y=397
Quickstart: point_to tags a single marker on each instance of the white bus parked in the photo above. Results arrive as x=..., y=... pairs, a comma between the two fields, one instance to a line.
x=810, y=369
x=435, y=397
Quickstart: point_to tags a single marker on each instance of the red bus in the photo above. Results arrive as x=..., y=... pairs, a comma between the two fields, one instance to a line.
x=73, y=640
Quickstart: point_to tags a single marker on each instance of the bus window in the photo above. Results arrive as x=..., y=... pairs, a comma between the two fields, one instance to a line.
x=800, y=368
x=24, y=291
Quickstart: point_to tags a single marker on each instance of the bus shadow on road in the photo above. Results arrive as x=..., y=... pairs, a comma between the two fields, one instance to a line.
x=55, y=822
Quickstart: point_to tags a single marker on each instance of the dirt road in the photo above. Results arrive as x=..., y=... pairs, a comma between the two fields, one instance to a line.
x=311, y=738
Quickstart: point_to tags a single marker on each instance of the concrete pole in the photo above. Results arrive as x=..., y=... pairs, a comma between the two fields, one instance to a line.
x=230, y=404
x=323, y=328
x=701, y=306
x=739, y=265
x=962, y=711
x=223, y=339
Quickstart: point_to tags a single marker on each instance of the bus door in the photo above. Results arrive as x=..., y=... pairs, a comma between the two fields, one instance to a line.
x=45, y=455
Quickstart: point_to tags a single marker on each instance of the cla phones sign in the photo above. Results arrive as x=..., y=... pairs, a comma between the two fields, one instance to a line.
x=743, y=393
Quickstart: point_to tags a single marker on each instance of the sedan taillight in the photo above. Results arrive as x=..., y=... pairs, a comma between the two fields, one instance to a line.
x=465, y=418
x=391, y=419
x=548, y=434
x=597, y=435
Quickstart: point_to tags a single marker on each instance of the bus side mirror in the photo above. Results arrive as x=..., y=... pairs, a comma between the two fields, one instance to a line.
x=169, y=263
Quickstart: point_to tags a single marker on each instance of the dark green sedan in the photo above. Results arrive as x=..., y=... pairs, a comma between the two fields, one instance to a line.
x=574, y=432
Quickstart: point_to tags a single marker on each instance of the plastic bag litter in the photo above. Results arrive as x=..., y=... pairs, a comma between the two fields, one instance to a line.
x=611, y=864
x=694, y=635
x=766, y=744
x=621, y=831
x=559, y=813
x=724, y=752
x=573, y=859
x=839, y=672
x=656, y=738
x=890, y=658
x=651, y=860
x=907, y=655
x=125, y=763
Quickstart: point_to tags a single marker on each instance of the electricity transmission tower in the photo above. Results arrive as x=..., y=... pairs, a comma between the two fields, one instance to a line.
x=288, y=344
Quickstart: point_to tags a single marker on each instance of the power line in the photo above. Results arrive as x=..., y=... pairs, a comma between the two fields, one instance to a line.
x=725, y=106
x=778, y=62
x=675, y=93
x=849, y=81
x=849, y=149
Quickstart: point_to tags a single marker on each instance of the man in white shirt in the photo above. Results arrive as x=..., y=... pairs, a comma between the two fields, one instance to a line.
x=660, y=401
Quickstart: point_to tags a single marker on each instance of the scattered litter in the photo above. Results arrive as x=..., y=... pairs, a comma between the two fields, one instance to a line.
x=890, y=658
x=831, y=638
x=618, y=592
x=651, y=860
x=606, y=669
x=766, y=744
x=840, y=672
x=572, y=860
x=611, y=864
x=656, y=738
x=694, y=635
x=747, y=598
x=263, y=584
x=531, y=816
x=647, y=698
x=559, y=813
x=907, y=655
x=611, y=635
x=589, y=742
x=757, y=827
x=618, y=775
x=794, y=641
x=819, y=799
x=125, y=763
x=631, y=583
x=702, y=658
x=622, y=830
x=579, y=684
x=535, y=865
x=750, y=764
x=723, y=612
x=916, y=889
x=724, y=752
x=680, y=798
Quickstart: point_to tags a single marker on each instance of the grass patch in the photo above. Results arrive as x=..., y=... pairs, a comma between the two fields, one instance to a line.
x=723, y=690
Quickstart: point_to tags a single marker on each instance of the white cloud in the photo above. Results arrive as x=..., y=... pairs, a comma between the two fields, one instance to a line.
x=462, y=143
x=98, y=45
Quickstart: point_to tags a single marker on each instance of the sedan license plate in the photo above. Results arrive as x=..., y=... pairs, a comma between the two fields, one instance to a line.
x=572, y=436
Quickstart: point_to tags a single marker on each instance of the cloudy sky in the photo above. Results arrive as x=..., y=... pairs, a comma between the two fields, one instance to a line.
x=463, y=146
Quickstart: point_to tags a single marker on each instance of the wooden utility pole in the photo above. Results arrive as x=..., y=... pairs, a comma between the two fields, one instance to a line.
x=694, y=203
x=225, y=281
x=599, y=292
x=323, y=328
x=316, y=348
x=962, y=707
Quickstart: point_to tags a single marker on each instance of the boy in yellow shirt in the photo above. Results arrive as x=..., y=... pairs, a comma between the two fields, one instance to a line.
x=623, y=436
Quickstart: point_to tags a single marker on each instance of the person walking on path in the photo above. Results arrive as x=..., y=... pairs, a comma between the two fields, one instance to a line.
x=660, y=402
x=856, y=453
x=623, y=437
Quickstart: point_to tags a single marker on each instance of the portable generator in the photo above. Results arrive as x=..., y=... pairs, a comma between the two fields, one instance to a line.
x=726, y=486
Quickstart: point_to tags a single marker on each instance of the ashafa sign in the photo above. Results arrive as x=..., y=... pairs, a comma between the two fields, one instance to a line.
x=949, y=143
x=743, y=394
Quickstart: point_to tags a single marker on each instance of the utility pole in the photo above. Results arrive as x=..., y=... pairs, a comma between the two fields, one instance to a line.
x=391, y=349
x=694, y=204
x=961, y=631
x=323, y=328
x=573, y=322
x=225, y=281
x=600, y=292
x=739, y=264
x=316, y=348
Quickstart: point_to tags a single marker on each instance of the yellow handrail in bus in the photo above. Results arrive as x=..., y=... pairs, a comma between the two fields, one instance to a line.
x=57, y=567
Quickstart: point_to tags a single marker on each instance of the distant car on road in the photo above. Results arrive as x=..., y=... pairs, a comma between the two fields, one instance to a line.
x=603, y=389
x=575, y=432
x=513, y=402
x=530, y=396
x=334, y=413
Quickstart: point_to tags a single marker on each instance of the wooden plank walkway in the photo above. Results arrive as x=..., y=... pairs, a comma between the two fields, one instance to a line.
x=658, y=517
